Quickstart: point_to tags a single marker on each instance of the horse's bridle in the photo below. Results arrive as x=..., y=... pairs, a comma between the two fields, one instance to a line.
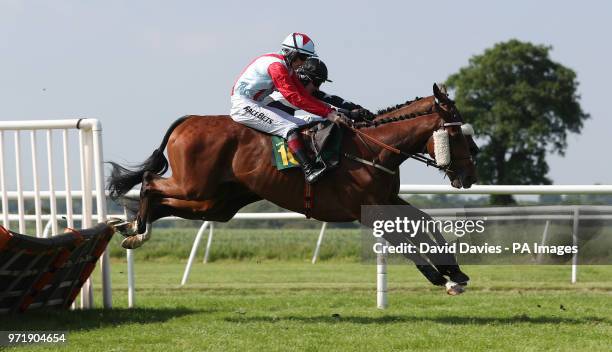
x=418, y=157
x=447, y=168
x=458, y=122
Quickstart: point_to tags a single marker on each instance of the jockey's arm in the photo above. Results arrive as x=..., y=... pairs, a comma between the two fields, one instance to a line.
x=292, y=90
x=354, y=111
x=335, y=100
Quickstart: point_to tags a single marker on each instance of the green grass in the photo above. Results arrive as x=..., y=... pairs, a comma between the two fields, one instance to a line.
x=248, y=244
x=295, y=306
x=345, y=245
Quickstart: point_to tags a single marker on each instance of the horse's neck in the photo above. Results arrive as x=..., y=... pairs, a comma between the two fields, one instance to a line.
x=409, y=136
x=420, y=106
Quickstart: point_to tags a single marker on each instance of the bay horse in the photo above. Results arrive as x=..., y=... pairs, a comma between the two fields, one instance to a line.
x=219, y=166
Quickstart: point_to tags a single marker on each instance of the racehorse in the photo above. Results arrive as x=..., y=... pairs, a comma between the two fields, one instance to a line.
x=219, y=166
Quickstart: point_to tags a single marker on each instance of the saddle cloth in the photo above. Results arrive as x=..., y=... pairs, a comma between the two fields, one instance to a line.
x=323, y=142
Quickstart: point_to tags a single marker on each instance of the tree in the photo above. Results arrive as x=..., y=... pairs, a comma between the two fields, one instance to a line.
x=522, y=105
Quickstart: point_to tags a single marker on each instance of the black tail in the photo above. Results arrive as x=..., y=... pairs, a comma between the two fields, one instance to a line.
x=122, y=179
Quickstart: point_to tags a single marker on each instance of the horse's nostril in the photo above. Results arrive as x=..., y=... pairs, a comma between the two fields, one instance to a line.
x=457, y=183
x=468, y=181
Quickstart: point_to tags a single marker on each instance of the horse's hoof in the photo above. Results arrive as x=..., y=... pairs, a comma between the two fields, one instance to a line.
x=133, y=242
x=459, y=277
x=125, y=228
x=137, y=240
x=114, y=221
x=454, y=289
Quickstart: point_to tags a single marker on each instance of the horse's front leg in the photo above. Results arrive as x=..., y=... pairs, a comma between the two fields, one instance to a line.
x=446, y=263
x=398, y=239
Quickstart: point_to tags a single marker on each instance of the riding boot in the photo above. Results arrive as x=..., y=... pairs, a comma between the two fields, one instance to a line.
x=312, y=170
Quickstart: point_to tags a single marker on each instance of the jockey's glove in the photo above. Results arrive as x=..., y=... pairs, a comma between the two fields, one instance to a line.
x=343, y=111
x=359, y=114
x=339, y=118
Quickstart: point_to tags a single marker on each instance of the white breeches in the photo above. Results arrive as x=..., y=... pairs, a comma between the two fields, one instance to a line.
x=264, y=118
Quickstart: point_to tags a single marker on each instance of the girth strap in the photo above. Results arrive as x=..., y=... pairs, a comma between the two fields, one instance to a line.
x=308, y=199
x=370, y=163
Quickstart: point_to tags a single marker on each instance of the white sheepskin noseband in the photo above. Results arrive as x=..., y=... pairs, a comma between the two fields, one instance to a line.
x=467, y=129
x=441, y=147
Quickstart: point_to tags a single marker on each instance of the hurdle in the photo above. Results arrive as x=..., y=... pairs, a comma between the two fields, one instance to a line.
x=83, y=135
x=47, y=272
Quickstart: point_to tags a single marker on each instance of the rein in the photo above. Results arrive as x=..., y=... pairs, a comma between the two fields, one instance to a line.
x=421, y=158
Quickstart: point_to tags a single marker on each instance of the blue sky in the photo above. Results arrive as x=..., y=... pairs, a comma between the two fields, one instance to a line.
x=139, y=65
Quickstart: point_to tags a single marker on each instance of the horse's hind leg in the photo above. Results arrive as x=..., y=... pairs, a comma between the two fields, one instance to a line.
x=154, y=204
x=142, y=224
x=146, y=198
x=154, y=210
x=187, y=183
x=213, y=210
x=217, y=209
x=153, y=189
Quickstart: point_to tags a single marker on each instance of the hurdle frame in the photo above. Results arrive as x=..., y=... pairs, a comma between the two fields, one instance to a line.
x=91, y=168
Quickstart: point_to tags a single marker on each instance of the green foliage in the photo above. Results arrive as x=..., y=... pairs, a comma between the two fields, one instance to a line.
x=522, y=105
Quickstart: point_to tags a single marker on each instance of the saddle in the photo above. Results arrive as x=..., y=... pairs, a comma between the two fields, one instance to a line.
x=323, y=143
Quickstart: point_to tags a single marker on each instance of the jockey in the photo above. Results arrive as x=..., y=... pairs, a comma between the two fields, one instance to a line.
x=270, y=72
x=312, y=74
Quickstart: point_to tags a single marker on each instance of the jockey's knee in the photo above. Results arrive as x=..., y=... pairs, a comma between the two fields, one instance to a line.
x=293, y=132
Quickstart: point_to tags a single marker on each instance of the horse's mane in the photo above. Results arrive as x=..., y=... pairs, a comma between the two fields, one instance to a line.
x=398, y=106
x=374, y=124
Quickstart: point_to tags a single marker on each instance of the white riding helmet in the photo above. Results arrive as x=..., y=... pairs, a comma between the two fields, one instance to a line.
x=299, y=42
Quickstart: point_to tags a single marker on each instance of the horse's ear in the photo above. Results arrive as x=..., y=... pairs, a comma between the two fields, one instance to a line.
x=440, y=92
x=442, y=88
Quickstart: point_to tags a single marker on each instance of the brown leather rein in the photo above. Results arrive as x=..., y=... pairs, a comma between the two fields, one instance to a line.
x=421, y=158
